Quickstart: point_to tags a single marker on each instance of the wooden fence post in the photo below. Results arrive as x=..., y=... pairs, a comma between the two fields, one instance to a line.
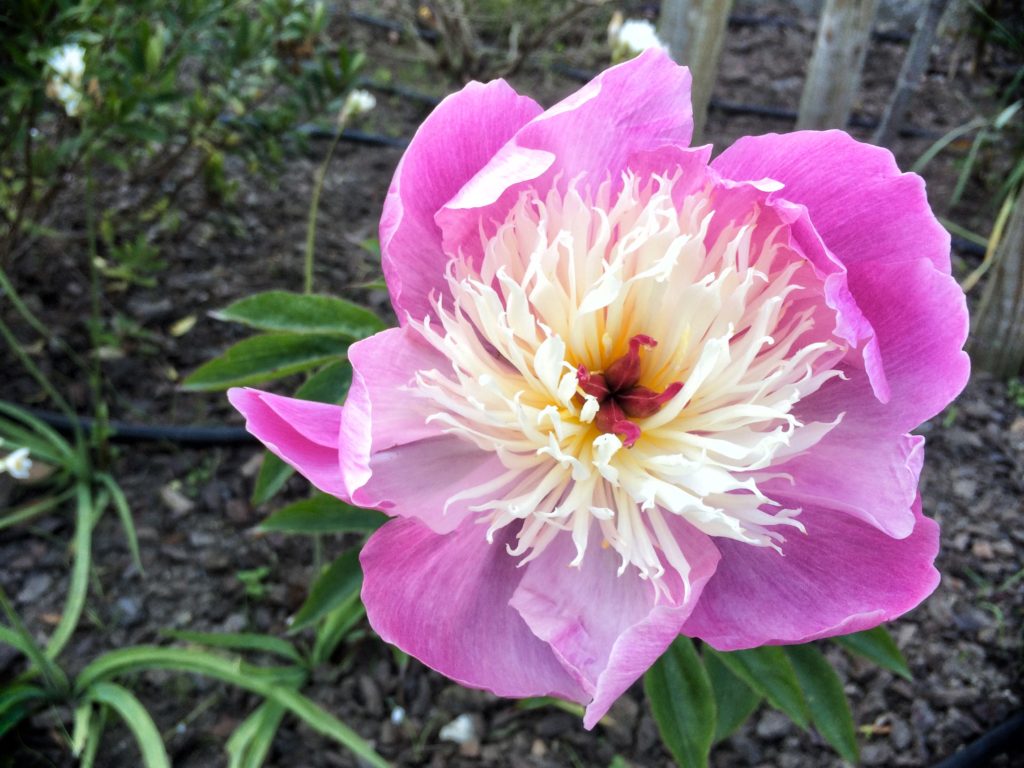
x=694, y=31
x=833, y=77
x=997, y=333
x=911, y=73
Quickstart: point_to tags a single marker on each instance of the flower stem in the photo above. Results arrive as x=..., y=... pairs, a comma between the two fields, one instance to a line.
x=314, y=206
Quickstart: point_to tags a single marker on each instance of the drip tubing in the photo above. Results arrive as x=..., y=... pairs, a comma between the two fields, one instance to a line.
x=122, y=432
x=1006, y=738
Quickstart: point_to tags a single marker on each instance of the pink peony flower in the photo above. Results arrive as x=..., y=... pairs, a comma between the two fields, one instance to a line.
x=635, y=393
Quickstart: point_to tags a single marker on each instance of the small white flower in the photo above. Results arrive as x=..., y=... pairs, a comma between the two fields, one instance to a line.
x=357, y=103
x=68, y=62
x=633, y=37
x=67, y=66
x=17, y=464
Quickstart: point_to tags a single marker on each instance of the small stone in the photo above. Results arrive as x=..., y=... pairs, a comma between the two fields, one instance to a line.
x=538, y=748
x=470, y=748
x=982, y=549
x=876, y=754
x=201, y=539
x=179, y=504
x=128, y=612
x=1003, y=548
x=238, y=511
x=373, y=702
x=36, y=586
x=773, y=725
x=459, y=731
x=966, y=488
x=901, y=736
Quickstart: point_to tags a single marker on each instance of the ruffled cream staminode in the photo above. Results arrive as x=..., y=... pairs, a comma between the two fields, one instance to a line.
x=566, y=282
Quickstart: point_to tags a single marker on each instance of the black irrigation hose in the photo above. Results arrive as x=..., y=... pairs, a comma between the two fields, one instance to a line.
x=1006, y=738
x=121, y=432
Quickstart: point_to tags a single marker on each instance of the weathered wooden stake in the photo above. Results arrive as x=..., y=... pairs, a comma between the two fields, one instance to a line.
x=997, y=335
x=694, y=31
x=833, y=78
x=911, y=73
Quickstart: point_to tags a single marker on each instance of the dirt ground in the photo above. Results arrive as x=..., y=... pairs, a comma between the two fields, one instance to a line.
x=964, y=645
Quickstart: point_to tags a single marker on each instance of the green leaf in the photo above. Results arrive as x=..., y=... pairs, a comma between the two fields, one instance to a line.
x=830, y=711
x=233, y=672
x=301, y=313
x=328, y=385
x=240, y=641
x=339, y=581
x=33, y=510
x=124, y=513
x=878, y=646
x=18, y=702
x=138, y=720
x=735, y=701
x=335, y=626
x=323, y=514
x=40, y=428
x=265, y=357
x=250, y=744
x=767, y=670
x=682, y=703
x=274, y=473
x=86, y=512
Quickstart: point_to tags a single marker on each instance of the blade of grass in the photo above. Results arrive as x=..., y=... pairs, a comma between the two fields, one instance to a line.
x=138, y=720
x=234, y=672
x=34, y=510
x=78, y=586
x=124, y=513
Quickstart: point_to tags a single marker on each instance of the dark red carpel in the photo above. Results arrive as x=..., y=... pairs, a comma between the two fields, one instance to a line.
x=619, y=395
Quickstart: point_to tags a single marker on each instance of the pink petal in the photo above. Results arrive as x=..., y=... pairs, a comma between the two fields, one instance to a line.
x=860, y=203
x=608, y=629
x=853, y=457
x=304, y=434
x=842, y=576
x=444, y=599
x=394, y=460
x=418, y=479
x=381, y=412
x=920, y=317
x=458, y=138
x=637, y=106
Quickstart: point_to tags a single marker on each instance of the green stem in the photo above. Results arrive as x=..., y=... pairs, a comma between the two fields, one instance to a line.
x=99, y=407
x=314, y=206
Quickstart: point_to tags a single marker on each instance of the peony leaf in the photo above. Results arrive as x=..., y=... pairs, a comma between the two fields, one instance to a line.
x=301, y=313
x=339, y=581
x=323, y=514
x=273, y=474
x=265, y=357
x=767, y=670
x=682, y=703
x=328, y=385
x=830, y=711
x=735, y=701
x=878, y=646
